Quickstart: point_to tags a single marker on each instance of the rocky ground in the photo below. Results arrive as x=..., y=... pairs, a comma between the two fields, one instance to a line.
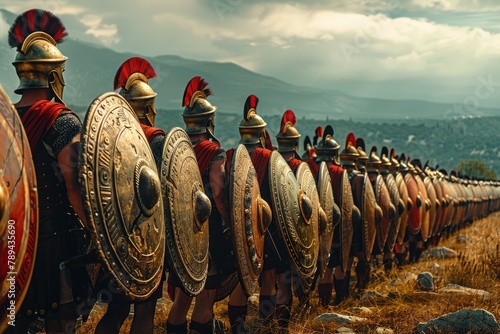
x=455, y=288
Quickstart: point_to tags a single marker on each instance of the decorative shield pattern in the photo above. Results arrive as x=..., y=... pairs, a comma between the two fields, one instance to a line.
x=250, y=219
x=293, y=213
x=325, y=192
x=441, y=210
x=416, y=208
x=121, y=196
x=345, y=227
x=18, y=211
x=310, y=231
x=424, y=217
x=403, y=193
x=186, y=212
x=393, y=189
x=433, y=208
x=364, y=199
x=384, y=201
x=227, y=286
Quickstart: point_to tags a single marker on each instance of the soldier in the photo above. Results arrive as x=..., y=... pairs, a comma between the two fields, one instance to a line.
x=53, y=131
x=199, y=116
x=335, y=275
x=132, y=79
x=253, y=136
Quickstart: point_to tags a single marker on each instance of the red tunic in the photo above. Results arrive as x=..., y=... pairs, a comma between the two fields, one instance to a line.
x=314, y=167
x=336, y=176
x=39, y=119
x=150, y=131
x=294, y=164
x=205, y=151
x=260, y=159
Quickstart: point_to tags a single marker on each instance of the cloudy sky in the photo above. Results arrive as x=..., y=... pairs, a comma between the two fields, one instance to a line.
x=435, y=50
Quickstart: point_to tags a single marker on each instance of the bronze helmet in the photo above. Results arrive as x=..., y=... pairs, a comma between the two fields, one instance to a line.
x=403, y=166
x=252, y=126
x=384, y=158
x=327, y=148
x=394, y=161
x=288, y=136
x=373, y=164
x=39, y=63
x=132, y=77
x=363, y=158
x=349, y=154
x=198, y=114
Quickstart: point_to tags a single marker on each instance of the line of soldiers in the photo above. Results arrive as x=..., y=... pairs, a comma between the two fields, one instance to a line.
x=105, y=209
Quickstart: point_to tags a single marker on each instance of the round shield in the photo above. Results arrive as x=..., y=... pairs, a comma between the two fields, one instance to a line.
x=121, y=196
x=403, y=193
x=424, y=217
x=345, y=228
x=325, y=192
x=441, y=209
x=293, y=213
x=384, y=201
x=393, y=189
x=364, y=198
x=186, y=212
x=18, y=211
x=227, y=286
x=250, y=219
x=416, y=208
x=307, y=184
x=433, y=208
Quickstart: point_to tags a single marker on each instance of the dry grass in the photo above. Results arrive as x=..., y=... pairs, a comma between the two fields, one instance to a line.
x=400, y=306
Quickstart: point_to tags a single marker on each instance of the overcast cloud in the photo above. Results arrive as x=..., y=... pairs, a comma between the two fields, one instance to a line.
x=437, y=50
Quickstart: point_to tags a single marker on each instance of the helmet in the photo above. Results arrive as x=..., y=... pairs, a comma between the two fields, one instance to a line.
x=39, y=63
x=252, y=126
x=318, y=133
x=132, y=77
x=327, y=148
x=307, y=149
x=384, y=158
x=373, y=164
x=349, y=154
x=198, y=113
x=394, y=161
x=403, y=166
x=288, y=136
x=363, y=158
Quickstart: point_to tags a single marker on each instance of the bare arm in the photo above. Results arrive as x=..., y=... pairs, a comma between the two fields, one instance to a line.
x=68, y=163
x=218, y=183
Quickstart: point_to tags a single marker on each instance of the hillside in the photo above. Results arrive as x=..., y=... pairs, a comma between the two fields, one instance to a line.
x=90, y=70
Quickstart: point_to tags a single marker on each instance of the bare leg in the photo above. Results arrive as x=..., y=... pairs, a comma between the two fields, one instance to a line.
x=144, y=314
x=112, y=321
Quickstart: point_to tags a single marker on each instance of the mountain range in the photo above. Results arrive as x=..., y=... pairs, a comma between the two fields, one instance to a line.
x=90, y=70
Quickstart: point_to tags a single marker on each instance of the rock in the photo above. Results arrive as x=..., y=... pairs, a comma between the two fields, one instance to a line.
x=409, y=277
x=463, y=239
x=436, y=267
x=359, y=310
x=344, y=330
x=382, y=330
x=458, y=289
x=254, y=300
x=338, y=318
x=425, y=281
x=464, y=321
x=373, y=295
x=440, y=253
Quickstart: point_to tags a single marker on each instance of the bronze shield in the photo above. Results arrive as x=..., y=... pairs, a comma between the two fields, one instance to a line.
x=364, y=198
x=433, y=207
x=18, y=211
x=325, y=192
x=249, y=219
x=310, y=231
x=121, y=196
x=384, y=201
x=294, y=215
x=186, y=212
x=403, y=193
x=438, y=226
x=416, y=208
x=393, y=189
x=345, y=227
x=424, y=217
